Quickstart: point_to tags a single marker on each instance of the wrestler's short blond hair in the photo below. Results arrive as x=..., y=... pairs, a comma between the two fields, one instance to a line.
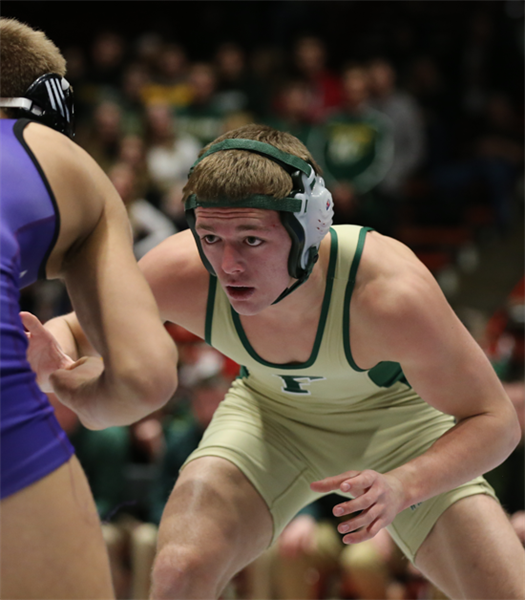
x=25, y=55
x=236, y=174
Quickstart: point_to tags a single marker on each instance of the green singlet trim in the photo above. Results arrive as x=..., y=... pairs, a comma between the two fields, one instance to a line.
x=260, y=148
x=385, y=373
x=292, y=205
x=322, y=319
x=212, y=287
x=348, y=296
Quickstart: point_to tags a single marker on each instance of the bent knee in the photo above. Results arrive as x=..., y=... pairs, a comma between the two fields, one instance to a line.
x=182, y=573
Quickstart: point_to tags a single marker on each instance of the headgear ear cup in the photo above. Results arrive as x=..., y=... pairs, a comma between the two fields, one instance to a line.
x=48, y=100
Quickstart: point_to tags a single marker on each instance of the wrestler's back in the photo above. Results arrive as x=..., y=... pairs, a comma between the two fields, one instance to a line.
x=28, y=213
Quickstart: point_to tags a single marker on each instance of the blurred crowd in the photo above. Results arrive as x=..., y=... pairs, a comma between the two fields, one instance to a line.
x=401, y=144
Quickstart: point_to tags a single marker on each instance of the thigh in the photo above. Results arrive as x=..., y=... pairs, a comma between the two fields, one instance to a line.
x=266, y=449
x=473, y=552
x=214, y=513
x=51, y=544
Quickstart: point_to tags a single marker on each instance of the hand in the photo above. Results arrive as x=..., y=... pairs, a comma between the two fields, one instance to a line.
x=298, y=537
x=379, y=498
x=70, y=384
x=44, y=353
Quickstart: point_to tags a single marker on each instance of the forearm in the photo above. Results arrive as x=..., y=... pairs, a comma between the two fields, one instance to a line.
x=472, y=447
x=102, y=399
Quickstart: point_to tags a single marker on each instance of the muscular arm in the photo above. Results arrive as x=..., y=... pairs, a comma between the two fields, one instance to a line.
x=409, y=320
x=399, y=314
x=112, y=301
x=179, y=284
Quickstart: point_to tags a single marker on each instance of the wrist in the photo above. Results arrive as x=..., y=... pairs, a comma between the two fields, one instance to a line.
x=403, y=481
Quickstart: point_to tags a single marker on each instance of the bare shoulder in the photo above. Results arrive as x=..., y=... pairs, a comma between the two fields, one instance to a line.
x=179, y=281
x=56, y=151
x=68, y=167
x=390, y=275
x=81, y=189
x=395, y=297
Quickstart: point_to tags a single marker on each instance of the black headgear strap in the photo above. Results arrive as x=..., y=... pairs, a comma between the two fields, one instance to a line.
x=48, y=100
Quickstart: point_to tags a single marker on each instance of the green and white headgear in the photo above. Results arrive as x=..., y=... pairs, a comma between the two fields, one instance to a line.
x=306, y=213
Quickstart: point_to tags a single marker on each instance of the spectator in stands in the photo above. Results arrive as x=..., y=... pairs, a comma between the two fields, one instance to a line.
x=150, y=226
x=237, y=90
x=355, y=150
x=267, y=65
x=407, y=126
x=310, y=64
x=76, y=60
x=107, y=56
x=202, y=117
x=101, y=135
x=135, y=78
x=434, y=95
x=168, y=66
x=132, y=151
x=170, y=152
x=292, y=110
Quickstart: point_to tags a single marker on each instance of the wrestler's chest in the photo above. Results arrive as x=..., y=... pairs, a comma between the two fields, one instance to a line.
x=282, y=343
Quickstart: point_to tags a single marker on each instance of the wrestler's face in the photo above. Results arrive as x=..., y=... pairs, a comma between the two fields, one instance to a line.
x=248, y=250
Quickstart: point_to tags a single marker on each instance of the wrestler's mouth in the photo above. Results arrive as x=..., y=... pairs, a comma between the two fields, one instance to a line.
x=239, y=292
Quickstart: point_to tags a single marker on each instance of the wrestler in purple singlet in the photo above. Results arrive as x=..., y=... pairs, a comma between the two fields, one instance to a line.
x=32, y=443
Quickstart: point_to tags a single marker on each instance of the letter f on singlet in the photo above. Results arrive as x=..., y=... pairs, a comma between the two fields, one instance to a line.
x=294, y=385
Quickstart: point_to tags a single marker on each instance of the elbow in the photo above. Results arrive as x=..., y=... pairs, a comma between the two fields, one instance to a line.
x=153, y=383
x=162, y=381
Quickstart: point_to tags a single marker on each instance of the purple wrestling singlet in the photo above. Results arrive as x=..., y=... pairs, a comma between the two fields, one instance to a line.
x=32, y=443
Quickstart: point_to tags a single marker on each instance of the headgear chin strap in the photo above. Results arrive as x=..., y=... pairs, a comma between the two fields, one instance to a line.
x=306, y=213
x=48, y=100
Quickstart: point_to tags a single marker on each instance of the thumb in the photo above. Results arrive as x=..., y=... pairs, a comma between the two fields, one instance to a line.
x=30, y=322
x=77, y=363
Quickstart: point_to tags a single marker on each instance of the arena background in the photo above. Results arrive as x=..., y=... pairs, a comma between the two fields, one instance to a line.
x=402, y=31
x=452, y=57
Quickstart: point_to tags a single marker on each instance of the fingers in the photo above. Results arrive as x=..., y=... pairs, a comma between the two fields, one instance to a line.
x=75, y=364
x=30, y=322
x=329, y=484
x=357, y=504
x=371, y=503
x=353, y=482
x=362, y=529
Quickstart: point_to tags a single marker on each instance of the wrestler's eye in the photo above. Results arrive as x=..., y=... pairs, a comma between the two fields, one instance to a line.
x=253, y=241
x=210, y=239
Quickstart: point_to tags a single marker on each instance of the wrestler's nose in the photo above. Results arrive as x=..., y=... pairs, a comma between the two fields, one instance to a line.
x=232, y=261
